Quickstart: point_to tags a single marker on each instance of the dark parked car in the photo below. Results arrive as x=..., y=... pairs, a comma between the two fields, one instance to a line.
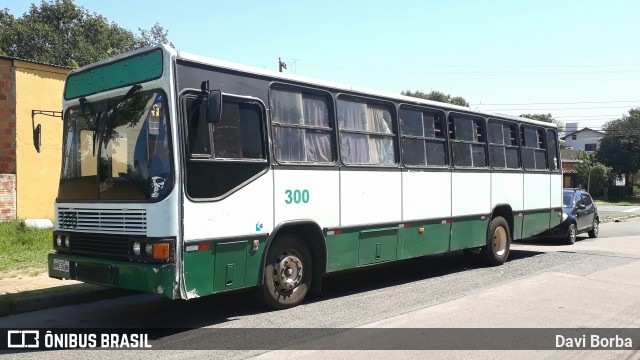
x=579, y=215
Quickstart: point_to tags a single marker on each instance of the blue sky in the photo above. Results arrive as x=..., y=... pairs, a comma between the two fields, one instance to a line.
x=577, y=60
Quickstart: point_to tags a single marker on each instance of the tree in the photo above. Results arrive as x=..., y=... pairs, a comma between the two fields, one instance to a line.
x=620, y=146
x=592, y=174
x=61, y=33
x=546, y=118
x=437, y=96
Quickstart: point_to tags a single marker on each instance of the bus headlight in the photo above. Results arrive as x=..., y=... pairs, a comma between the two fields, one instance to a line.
x=59, y=240
x=67, y=241
x=136, y=248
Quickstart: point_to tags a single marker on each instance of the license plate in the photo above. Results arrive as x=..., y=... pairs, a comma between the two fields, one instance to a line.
x=61, y=265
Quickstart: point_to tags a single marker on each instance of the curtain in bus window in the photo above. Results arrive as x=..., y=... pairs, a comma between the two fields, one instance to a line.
x=354, y=147
x=317, y=142
x=289, y=143
x=380, y=147
x=287, y=107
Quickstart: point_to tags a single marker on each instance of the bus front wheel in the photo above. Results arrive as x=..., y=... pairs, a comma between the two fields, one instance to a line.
x=287, y=272
x=496, y=251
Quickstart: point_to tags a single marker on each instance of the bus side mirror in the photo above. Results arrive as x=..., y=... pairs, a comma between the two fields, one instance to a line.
x=214, y=106
x=37, y=137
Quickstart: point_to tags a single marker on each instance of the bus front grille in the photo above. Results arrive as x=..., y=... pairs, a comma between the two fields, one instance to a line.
x=106, y=221
x=104, y=245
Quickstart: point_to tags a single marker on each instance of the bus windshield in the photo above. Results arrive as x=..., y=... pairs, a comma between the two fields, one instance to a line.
x=117, y=150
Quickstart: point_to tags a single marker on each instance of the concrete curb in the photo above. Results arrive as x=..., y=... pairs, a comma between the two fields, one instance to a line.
x=56, y=296
x=617, y=217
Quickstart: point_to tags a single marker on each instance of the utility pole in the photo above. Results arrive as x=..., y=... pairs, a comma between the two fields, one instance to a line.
x=281, y=65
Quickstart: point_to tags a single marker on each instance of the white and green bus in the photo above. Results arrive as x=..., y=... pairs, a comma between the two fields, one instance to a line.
x=187, y=176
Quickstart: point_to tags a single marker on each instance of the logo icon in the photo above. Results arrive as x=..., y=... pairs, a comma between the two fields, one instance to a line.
x=20, y=339
x=157, y=183
x=259, y=226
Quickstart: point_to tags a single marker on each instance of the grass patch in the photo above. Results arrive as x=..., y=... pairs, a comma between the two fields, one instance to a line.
x=23, y=250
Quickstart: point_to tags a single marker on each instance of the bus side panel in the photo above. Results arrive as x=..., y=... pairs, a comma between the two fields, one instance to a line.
x=370, y=197
x=469, y=195
x=426, y=195
x=468, y=198
x=307, y=194
x=537, y=202
x=506, y=188
x=229, y=264
x=249, y=210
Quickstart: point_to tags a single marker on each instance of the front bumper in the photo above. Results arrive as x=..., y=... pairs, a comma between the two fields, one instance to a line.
x=153, y=278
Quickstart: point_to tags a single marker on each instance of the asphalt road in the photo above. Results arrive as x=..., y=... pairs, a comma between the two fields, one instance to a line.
x=353, y=299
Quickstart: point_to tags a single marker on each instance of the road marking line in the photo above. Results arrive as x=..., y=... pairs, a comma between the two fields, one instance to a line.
x=632, y=209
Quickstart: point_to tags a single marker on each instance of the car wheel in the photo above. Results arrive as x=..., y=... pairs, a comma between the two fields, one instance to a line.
x=496, y=251
x=572, y=232
x=287, y=272
x=593, y=233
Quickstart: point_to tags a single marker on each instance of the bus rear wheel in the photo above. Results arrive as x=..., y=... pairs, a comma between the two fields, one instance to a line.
x=287, y=272
x=496, y=251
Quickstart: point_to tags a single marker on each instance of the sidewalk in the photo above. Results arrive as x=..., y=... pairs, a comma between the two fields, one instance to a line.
x=30, y=293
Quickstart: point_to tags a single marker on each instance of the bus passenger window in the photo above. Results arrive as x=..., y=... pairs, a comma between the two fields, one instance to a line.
x=423, y=142
x=467, y=141
x=366, y=133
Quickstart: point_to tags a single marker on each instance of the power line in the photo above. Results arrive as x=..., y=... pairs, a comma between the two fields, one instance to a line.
x=565, y=103
x=557, y=109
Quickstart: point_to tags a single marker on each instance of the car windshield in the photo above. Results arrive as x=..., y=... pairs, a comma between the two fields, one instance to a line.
x=126, y=158
x=567, y=200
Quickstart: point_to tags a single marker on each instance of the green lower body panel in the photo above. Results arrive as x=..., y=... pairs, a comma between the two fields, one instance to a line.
x=517, y=227
x=222, y=266
x=342, y=251
x=423, y=239
x=468, y=233
x=535, y=223
x=154, y=278
x=377, y=245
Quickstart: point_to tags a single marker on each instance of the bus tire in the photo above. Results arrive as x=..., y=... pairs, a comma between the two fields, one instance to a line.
x=496, y=251
x=288, y=271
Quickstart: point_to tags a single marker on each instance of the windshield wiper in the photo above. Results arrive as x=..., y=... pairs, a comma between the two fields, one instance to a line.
x=107, y=128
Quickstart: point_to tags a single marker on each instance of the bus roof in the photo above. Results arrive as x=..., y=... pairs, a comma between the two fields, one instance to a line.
x=310, y=81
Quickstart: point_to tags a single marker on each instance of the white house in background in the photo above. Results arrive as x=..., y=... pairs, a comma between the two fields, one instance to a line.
x=584, y=139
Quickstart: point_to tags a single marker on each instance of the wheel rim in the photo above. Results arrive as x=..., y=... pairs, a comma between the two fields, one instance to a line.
x=572, y=232
x=500, y=241
x=287, y=272
x=595, y=228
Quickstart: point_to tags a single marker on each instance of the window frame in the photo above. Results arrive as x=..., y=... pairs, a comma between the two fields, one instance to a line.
x=444, y=139
x=331, y=130
x=557, y=149
x=517, y=146
x=523, y=146
x=451, y=127
x=188, y=156
x=390, y=106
